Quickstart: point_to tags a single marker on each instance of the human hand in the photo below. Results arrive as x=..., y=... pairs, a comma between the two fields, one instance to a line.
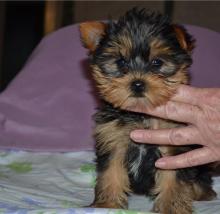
x=200, y=109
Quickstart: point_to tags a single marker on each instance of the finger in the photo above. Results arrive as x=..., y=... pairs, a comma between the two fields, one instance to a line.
x=193, y=158
x=185, y=94
x=192, y=95
x=176, y=111
x=188, y=94
x=176, y=136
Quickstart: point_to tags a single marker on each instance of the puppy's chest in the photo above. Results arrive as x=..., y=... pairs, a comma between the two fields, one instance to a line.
x=141, y=158
x=112, y=136
x=140, y=162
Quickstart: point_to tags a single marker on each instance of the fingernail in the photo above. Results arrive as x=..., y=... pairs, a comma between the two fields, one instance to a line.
x=136, y=135
x=160, y=163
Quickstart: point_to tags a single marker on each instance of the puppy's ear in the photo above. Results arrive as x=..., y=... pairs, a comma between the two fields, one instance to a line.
x=91, y=33
x=185, y=40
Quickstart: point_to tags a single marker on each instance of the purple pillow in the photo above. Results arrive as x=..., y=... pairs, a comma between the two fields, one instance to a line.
x=48, y=106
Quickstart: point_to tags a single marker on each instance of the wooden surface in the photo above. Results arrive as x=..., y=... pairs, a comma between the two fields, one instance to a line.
x=53, y=16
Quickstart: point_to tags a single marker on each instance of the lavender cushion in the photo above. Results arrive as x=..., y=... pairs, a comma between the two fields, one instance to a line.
x=48, y=106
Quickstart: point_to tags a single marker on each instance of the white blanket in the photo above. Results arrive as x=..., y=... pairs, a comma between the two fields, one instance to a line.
x=46, y=183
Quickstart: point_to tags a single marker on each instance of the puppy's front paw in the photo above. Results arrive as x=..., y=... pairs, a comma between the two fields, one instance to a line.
x=172, y=208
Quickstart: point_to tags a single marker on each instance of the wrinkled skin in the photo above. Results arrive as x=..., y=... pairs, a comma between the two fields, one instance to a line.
x=200, y=109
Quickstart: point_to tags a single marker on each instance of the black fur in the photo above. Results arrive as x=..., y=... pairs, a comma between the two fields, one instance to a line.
x=108, y=113
x=144, y=181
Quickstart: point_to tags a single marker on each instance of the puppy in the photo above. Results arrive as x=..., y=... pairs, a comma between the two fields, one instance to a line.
x=138, y=61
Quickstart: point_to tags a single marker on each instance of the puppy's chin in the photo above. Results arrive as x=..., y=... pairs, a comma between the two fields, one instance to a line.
x=134, y=104
x=138, y=105
x=141, y=104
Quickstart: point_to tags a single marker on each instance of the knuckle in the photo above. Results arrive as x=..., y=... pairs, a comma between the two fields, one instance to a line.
x=170, y=109
x=190, y=160
x=174, y=137
x=215, y=154
x=196, y=113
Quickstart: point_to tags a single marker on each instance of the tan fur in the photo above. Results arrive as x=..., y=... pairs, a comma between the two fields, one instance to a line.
x=158, y=90
x=117, y=90
x=173, y=197
x=109, y=134
x=181, y=37
x=113, y=183
x=121, y=47
x=157, y=47
x=114, y=90
x=201, y=194
x=176, y=197
x=91, y=32
x=180, y=34
x=181, y=77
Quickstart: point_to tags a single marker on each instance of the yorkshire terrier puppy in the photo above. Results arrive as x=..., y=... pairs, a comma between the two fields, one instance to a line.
x=138, y=61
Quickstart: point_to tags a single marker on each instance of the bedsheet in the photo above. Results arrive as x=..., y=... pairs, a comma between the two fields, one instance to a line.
x=52, y=183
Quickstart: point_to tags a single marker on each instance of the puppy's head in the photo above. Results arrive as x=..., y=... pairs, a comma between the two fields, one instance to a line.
x=138, y=60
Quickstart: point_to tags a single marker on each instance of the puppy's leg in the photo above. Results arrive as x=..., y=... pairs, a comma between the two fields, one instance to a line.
x=112, y=181
x=172, y=196
x=112, y=186
x=175, y=190
x=203, y=192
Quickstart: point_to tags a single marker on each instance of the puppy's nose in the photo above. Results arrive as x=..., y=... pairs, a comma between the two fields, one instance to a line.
x=138, y=86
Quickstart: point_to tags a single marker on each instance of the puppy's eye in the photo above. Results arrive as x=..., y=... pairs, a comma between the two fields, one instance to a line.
x=157, y=62
x=122, y=63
